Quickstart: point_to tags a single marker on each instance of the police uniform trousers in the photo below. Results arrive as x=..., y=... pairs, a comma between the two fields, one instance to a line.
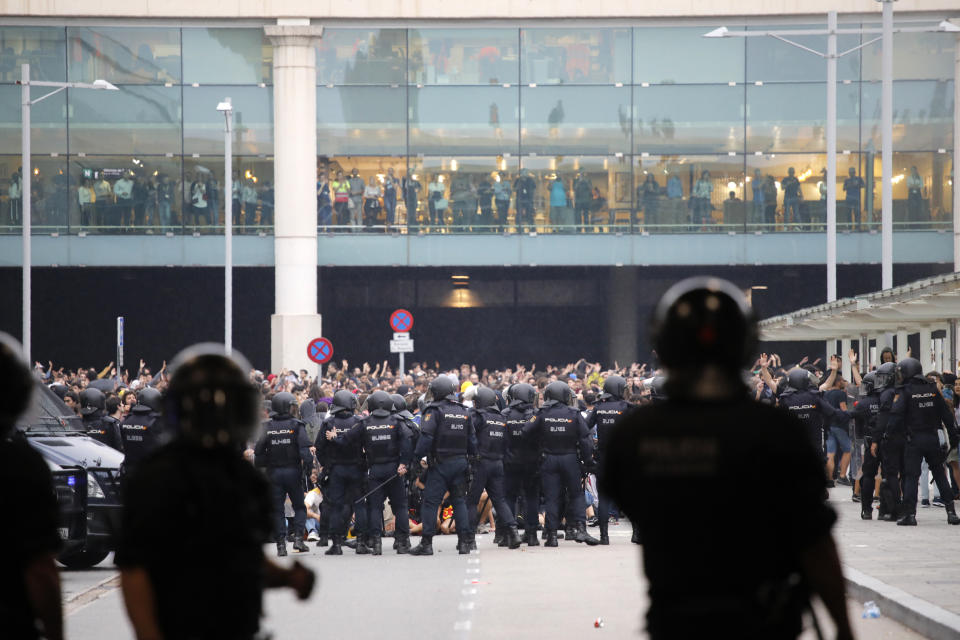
x=395, y=489
x=891, y=461
x=868, y=481
x=489, y=475
x=343, y=489
x=923, y=445
x=523, y=480
x=287, y=481
x=559, y=471
x=446, y=474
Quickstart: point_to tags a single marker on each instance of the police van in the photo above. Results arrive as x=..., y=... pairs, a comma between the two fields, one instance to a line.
x=85, y=478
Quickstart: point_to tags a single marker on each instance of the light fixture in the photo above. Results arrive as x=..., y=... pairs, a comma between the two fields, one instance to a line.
x=103, y=84
x=947, y=26
x=720, y=32
x=224, y=107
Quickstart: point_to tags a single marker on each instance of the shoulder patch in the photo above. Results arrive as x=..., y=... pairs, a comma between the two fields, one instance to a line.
x=896, y=397
x=427, y=417
x=533, y=418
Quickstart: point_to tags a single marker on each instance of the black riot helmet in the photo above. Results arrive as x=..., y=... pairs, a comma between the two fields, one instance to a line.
x=885, y=376
x=909, y=368
x=443, y=387
x=486, y=397
x=343, y=400
x=798, y=379
x=150, y=397
x=17, y=383
x=92, y=402
x=867, y=383
x=59, y=389
x=210, y=399
x=283, y=403
x=523, y=393
x=399, y=402
x=704, y=321
x=615, y=386
x=658, y=389
x=557, y=393
x=380, y=403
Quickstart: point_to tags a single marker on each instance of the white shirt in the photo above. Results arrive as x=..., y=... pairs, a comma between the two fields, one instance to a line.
x=123, y=188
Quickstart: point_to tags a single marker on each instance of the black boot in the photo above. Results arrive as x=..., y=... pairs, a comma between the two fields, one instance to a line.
x=336, y=548
x=604, y=539
x=951, y=514
x=281, y=548
x=403, y=543
x=551, y=539
x=908, y=520
x=349, y=543
x=300, y=545
x=472, y=541
x=532, y=540
x=569, y=533
x=866, y=513
x=512, y=538
x=425, y=548
x=463, y=544
x=498, y=537
x=376, y=545
x=363, y=548
x=635, y=538
x=324, y=540
x=580, y=535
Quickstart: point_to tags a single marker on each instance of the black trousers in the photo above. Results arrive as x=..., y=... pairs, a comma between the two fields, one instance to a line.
x=891, y=460
x=345, y=486
x=870, y=466
x=924, y=445
x=559, y=472
x=395, y=490
x=523, y=481
x=287, y=481
x=489, y=475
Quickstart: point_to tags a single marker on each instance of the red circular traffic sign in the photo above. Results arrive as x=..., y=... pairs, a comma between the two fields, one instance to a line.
x=401, y=321
x=320, y=350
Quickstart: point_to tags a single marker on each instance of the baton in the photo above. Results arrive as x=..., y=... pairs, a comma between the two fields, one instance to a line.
x=376, y=488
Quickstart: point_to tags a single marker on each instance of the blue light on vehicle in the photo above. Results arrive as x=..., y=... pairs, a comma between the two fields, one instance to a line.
x=71, y=481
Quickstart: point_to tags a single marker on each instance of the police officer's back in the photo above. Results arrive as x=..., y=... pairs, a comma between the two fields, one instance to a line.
x=92, y=408
x=609, y=409
x=865, y=411
x=709, y=565
x=805, y=403
x=522, y=461
x=141, y=430
x=176, y=581
x=343, y=472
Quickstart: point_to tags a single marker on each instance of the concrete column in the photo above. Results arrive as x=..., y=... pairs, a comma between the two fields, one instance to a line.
x=949, y=348
x=845, y=355
x=924, y=352
x=901, y=349
x=938, y=354
x=623, y=320
x=295, y=321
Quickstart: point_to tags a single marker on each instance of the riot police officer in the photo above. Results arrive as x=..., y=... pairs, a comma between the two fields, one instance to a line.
x=491, y=429
x=892, y=441
x=92, y=405
x=805, y=404
x=285, y=451
x=343, y=470
x=565, y=444
x=609, y=409
x=386, y=444
x=141, y=429
x=447, y=437
x=522, y=462
x=922, y=410
x=865, y=412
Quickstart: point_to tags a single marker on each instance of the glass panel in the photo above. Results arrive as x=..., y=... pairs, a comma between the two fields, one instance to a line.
x=916, y=56
x=682, y=54
x=464, y=56
x=593, y=120
x=362, y=56
x=44, y=48
x=922, y=115
x=464, y=193
x=361, y=120
x=463, y=119
x=581, y=193
x=689, y=118
x=48, y=123
x=253, y=194
x=575, y=56
x=681, y=193
x=252, y=119
x=113, y=194
x=376, y=191
x=922, y=189
x=772, y=60
x=791, y=195
x=793, y=117
x=244, y=56
x=49, y=186
x=132, y=120
x=130, y=55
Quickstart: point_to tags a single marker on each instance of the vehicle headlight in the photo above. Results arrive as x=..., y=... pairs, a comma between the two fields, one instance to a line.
x=93, y=487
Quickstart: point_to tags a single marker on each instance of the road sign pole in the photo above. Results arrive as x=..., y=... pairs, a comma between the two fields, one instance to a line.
x=401, y=364
x=119, y=347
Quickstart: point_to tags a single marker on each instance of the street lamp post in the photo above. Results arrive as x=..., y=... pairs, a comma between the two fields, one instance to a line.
x=25, y=103
x=226, y=108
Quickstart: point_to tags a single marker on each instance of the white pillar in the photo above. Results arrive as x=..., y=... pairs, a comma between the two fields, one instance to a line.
x=295, y=321
x=845, y=358
x=886, y=117
x=924, y=352
x=938, y=354
x=901, y=349
x=949, y=362
x=956, y=154
x=831, y=177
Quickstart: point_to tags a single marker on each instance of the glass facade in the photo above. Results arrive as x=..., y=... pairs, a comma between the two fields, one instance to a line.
x=478, y=129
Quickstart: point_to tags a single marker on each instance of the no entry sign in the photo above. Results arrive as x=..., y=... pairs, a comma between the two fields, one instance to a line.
x=320, y=350
x=401, y=321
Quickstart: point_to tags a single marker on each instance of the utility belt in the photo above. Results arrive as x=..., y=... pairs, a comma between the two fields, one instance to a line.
x=494, y=457
x=547, y=452
x=442, y=457
x=384, y=460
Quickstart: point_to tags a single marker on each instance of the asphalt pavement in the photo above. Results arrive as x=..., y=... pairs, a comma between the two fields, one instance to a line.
x=493, y=593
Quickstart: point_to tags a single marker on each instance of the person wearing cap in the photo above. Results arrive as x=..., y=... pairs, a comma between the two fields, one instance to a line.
x=708, y=566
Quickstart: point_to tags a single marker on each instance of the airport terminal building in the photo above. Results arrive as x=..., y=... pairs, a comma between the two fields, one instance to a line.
x=571, y=159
